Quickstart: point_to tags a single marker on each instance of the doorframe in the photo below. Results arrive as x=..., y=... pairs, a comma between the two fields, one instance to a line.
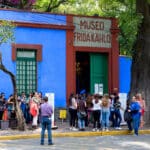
x=113, y=58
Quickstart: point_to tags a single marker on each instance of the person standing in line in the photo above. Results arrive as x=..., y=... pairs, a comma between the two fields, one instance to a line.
x=96, y=112
x=112, y=110
x=89, y=106
x=46, y=113
x=128, y=116
x=135, y=111
x=10, y=106
x=2, y=106
x=34, y=109
x=72, y=112
x=118, y=118
x=81, y=113
x=105, y=112
x=23, y=105
x=141, y=101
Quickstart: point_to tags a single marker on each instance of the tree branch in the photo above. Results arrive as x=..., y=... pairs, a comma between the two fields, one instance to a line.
x=13, y=79
x=50, y=7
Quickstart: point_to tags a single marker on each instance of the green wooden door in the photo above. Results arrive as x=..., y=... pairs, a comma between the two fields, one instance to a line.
x=98, y=73
x=26, y=76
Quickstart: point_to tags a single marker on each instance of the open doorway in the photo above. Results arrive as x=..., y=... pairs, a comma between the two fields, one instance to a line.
x=91, y=72
x=82, y=72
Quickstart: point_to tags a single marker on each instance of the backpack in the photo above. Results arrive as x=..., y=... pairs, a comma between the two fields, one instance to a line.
x=127, y=116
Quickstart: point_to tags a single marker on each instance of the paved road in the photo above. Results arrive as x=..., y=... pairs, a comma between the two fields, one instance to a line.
x=128, y=142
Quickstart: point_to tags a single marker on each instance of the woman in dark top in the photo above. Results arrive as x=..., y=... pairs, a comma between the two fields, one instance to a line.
x=128, y=116
x=118, y=118
x=81, y=114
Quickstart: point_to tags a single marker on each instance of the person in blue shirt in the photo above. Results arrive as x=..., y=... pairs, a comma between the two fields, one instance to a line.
x=135, y=111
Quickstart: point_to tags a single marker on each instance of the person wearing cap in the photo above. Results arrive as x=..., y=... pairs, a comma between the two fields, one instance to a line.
x=46, y=113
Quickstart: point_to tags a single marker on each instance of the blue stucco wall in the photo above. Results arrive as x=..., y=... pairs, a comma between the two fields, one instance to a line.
x=51, y=71
x=124, y=74
x=32, y=17
x=5, y=80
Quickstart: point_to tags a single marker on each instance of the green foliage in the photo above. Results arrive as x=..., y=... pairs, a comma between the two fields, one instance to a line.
x=123, y=10
x=80, y=7
x=129, y=21
x=49, y=5
x=6, y=32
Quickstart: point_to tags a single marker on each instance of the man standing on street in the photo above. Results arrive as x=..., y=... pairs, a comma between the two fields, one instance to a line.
x=46, y=113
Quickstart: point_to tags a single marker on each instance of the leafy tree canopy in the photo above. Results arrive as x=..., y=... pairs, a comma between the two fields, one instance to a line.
x=6, y=32
x=124, y=10
x=129, y=21
x=20, y=4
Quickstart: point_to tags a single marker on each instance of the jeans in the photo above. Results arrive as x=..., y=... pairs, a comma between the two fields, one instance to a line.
x=118, y=118
x=112, y=118
x=136, y=123
x=96, y=116
x=46, y=124
x=105, y=118
x=81, y=121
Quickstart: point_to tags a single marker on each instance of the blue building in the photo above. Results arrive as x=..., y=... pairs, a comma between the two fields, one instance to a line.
x=45, y=53
x=38, y=47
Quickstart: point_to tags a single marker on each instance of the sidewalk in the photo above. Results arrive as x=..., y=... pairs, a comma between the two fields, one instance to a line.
x=63, y=131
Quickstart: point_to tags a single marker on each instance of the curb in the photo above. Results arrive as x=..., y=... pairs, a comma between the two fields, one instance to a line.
x=74, y=134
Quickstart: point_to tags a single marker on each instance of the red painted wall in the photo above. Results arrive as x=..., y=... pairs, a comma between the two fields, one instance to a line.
x=113, y=54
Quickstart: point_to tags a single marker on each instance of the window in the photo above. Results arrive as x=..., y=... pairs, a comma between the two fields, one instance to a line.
x=26, y=76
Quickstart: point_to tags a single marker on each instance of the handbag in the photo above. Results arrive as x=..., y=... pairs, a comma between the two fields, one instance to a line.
x=127, y=116
x=82, y=113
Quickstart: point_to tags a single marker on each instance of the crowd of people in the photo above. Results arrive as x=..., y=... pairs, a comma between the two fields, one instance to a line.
x=100, y=111
x=104, y=111
x=30, y=107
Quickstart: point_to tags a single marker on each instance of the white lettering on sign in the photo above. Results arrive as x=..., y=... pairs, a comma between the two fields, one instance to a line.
x=92, y=32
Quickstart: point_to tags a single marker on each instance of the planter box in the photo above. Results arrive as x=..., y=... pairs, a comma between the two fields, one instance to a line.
x=4, y=125
x=13, y=123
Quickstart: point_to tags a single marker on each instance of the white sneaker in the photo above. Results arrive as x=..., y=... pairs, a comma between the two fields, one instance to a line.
x=116, y=128
x=94, y=129
x=119, y=128
x=70, y=128
x=107, y=129
x=74, y=129
x=103, y=129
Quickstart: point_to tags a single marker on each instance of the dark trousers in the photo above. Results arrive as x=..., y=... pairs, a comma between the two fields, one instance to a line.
x=73, y=117
x=96, y=116
x=1, y=114
x=129, y=124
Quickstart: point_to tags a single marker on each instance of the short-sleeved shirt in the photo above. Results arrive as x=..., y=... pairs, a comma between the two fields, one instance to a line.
x=46, y=109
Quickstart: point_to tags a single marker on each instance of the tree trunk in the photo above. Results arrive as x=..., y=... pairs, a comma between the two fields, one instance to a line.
x=140, y=70
x=19, y=114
